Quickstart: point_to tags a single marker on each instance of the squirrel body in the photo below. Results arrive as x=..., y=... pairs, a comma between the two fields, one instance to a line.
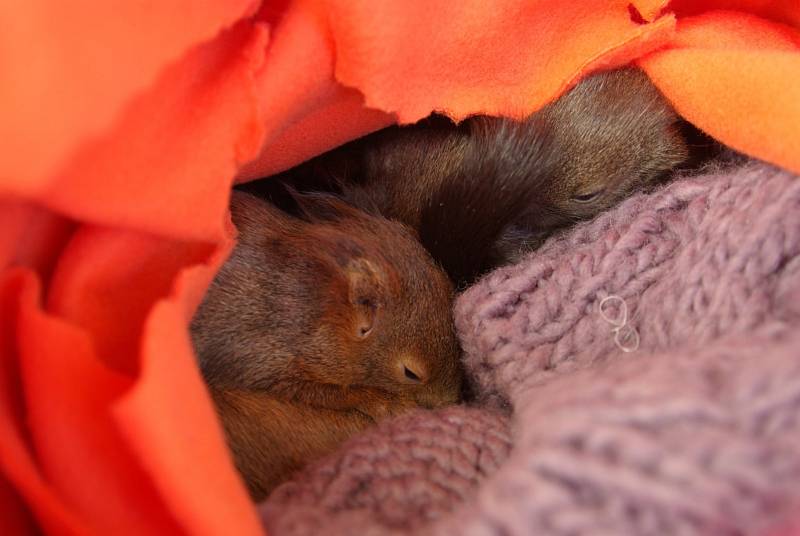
x=609, y=136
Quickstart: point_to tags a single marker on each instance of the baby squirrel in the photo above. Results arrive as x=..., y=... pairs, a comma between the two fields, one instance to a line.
x=611, y=135
x=318, y=326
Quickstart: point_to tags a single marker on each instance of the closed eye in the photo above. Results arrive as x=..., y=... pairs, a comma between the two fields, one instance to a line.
x=410, y=374
x=587, y=198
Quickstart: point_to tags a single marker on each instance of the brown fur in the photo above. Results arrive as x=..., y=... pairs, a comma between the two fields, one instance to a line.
x=317, y=327
x=271, y=438
x=609, y=136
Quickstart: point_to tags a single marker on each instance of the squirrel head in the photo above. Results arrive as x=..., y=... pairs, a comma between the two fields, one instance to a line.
x=612, y=135
x=337, y=296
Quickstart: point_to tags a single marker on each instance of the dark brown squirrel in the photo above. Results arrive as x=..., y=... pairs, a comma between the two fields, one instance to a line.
x=611, y=135
x=318, y=326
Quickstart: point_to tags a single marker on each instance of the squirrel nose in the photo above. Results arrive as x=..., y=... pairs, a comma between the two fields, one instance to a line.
x=411, y=370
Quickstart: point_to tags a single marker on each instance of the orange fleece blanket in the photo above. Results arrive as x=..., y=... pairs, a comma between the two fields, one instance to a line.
x=124, y=125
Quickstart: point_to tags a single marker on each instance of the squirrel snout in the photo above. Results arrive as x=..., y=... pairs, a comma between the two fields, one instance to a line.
x=410, y=370
x=432, y=391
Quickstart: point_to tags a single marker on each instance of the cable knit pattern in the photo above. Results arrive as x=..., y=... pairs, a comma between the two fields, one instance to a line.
x=703, y=257
x=397, y=477
x=695, y=432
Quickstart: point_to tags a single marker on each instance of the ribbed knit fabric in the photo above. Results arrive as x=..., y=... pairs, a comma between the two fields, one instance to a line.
x=697, y=431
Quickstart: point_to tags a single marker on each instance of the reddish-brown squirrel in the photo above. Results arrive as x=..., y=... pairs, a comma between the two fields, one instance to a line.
x=316, y=327
x=611, y=135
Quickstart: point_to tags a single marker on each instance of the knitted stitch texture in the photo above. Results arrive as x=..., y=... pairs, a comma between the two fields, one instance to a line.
x=696, y=431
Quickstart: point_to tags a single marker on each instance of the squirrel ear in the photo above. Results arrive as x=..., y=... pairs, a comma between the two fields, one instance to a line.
x=252, y=216
x=366, y=286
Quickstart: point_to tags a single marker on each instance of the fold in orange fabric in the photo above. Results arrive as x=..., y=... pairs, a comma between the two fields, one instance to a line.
x=125, y=125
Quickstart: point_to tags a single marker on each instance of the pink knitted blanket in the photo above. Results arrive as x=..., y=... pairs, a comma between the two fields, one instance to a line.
x=695, y=431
